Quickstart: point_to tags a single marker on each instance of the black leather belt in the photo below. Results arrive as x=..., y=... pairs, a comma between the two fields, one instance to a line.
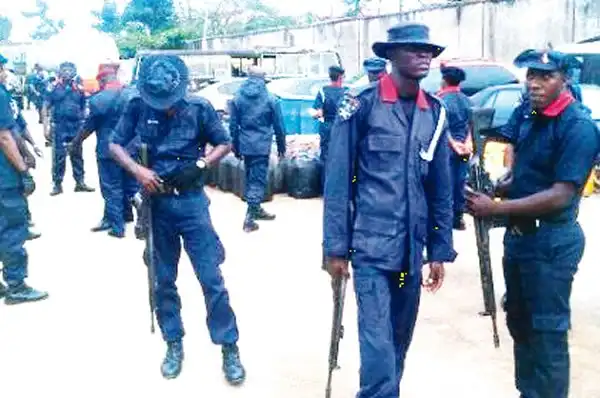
x=168, y=189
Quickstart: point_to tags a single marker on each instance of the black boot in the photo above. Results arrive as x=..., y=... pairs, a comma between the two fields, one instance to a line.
x=171, y=366
x=2, y=290
x=82, y=187
x=33, y=235
x=56, y=190
x=234, y=371
x=116, y=233
x=23, y=294
x=459, y=224
x=249, y=222
x=103, y=226
x=262, y=215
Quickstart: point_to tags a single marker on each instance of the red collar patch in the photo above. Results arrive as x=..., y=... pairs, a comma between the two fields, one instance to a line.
x=448, y=90
x=559, y=104
x=389, y=93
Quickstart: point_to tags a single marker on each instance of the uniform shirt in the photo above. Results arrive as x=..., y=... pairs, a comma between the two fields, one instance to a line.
x=9, y=176
x=328, y=99
x=459, y=108
x=401, y=199
x=106, y=107
x=66, y=102
x=556, y=145
x=173, y=141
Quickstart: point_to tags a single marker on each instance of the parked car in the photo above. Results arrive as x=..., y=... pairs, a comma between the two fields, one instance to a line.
x=480, y=75
x=297, y=96
x=504, y=99
x=219, y=93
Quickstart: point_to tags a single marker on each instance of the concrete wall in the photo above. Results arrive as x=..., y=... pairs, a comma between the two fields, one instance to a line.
x=497, y=30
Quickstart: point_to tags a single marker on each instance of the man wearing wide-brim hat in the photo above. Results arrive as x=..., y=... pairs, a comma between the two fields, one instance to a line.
x=389, y=157
x=175, y=130
x=555, y=143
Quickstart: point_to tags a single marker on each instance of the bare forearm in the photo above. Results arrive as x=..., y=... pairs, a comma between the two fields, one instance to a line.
x=27, y=136
x=120, y=155
x=538, y=204
x=11, y=150
x=218, y=152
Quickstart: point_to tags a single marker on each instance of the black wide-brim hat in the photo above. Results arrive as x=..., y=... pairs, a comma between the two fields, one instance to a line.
x=163, y=80
x=414, y=34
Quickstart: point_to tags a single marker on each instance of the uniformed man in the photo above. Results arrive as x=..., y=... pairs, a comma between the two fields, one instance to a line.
x=116, y=186
x=458, y=107
x=176, y=131
x=375, y=68
x=325, y=108
x=67, y=104
x=555, y=144
x=36, y=89
x=15, y=184
x=22, y=136
x=388, y=195
x=255, y=116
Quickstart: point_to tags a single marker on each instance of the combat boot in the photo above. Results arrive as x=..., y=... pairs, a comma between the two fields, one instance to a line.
x=82, y=187
x=56, y=190
x=22, y=293
x=33, y=235
x=116, y=233
x=102, y=226
x=234, y=371
x=249, y=222
x=171, y=366
x=2, y=290
x=262, y=215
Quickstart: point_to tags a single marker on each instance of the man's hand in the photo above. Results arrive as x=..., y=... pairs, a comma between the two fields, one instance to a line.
x=481, y=205
x=148, y=179
x=28, y=183
x=337, y=267
x=436, y=277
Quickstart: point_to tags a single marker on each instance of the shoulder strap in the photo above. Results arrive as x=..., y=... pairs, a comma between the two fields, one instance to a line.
x=439, y=129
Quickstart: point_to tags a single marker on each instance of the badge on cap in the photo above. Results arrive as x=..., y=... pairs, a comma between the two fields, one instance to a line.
x=545, y=59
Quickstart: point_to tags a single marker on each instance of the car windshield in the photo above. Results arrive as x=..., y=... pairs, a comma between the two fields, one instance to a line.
x=591, y=99
x=478, y=78
x=230, y=88
x=303, y=87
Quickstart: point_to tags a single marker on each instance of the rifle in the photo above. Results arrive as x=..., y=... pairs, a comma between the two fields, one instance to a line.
x=479, y=180
x=337, y=329
x=143, y=231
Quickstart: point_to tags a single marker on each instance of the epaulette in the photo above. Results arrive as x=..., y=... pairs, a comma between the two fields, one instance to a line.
x=351, y=102
x=197, y=100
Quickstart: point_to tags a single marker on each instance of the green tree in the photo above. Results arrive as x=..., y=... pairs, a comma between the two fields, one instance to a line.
x=5, y=28
x=47, y=27
x=109, y=17
x=157, y=15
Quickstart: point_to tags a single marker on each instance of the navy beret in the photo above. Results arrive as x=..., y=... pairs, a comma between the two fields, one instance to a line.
x=375, y=65
x=453, y=73
x=550, y=61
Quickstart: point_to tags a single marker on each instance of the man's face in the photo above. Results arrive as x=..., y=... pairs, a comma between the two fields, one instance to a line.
x=412, y=61
x=544, y=87
x=373, y=77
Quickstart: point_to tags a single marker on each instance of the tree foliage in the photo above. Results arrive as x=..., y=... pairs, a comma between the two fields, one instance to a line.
x=5, y=28
x=109, y=17
x=47, y=26
x=157, y=15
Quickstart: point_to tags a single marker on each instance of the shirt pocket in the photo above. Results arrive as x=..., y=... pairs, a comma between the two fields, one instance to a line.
x=384, y=152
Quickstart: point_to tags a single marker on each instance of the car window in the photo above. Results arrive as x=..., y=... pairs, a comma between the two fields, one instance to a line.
x=504, y=104
x=489, y=102
x=230, y=88
x=305, y=87
x=591, y=99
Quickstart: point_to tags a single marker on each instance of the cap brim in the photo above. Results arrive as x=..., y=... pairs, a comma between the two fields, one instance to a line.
x=538, y=66
x=381, y=49
x=161, y=104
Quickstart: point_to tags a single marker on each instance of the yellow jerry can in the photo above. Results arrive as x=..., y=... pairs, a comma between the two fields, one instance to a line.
x=589, y=186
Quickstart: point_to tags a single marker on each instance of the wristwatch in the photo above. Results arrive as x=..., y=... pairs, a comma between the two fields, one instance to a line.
x=201, y=163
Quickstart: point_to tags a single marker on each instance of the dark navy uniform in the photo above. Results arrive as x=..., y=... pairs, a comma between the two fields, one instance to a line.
x=459, y=108
x=255, y=118
x=541, y=255
x=13, y=217
x=176, y=132
x=116, y=186
x=328, y=100
x=67, y=103
x=399, y=204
